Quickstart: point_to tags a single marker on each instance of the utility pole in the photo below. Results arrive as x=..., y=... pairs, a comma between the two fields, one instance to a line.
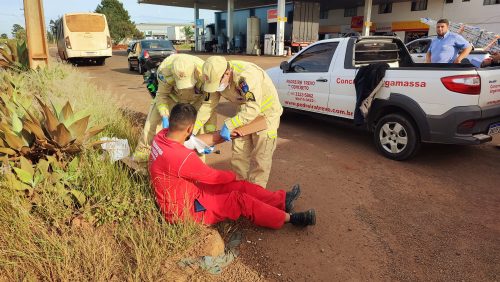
x=38, y=50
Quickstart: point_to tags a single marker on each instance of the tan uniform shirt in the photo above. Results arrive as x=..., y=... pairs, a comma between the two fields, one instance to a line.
x=261, y=98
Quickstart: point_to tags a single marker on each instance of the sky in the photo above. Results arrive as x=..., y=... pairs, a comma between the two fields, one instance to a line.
x=11, y=12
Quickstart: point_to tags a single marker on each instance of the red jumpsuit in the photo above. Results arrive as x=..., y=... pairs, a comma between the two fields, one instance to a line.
x=179, y=178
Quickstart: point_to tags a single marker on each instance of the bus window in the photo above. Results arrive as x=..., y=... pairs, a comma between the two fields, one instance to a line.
x=85, y=23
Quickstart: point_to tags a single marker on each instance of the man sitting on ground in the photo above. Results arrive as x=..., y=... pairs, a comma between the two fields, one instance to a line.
x=185, y=187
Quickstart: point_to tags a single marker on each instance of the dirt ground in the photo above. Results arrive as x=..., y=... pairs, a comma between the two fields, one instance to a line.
x=435, y=217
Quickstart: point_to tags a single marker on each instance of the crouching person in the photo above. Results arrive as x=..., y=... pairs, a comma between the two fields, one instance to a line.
x=185, y=187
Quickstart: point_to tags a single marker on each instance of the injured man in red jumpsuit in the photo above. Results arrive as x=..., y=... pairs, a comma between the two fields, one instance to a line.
x=185, y=187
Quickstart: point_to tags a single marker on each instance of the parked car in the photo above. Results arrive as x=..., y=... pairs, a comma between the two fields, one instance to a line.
x=152, y=50
x=418, y=49
x=435, y=103
x=130, y=46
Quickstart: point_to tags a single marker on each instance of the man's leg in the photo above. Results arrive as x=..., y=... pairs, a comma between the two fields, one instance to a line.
x=242, y=150
x=220, y=207
x=262, y=157
x=275, y=199
x=151, y=127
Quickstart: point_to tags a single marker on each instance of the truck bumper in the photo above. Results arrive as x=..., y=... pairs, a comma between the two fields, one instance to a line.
x=463, y=125
x=89, y=54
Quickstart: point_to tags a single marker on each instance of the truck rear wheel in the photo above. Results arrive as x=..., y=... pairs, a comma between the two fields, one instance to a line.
x=396, y=137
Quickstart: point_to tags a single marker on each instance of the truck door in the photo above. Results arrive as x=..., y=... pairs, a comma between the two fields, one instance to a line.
x=307, y=82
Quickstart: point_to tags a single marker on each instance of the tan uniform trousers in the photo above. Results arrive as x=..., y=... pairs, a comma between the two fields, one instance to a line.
x=253, y=154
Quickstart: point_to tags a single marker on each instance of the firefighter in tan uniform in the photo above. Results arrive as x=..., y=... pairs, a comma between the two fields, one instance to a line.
x=179, y=81
x=250, y=87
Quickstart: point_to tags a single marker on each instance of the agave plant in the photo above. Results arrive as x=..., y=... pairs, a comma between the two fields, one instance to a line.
x=62, y=133
x=13, y=54
x=51, y=175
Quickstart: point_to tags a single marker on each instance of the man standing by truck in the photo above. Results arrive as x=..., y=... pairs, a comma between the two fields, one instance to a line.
x=248, y=86
x=447, y=47
x=179, y=81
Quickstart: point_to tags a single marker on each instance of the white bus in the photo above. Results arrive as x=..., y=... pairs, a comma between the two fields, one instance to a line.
x=83, y=37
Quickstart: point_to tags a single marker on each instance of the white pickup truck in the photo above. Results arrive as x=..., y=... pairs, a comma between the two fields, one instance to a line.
x=436, y=103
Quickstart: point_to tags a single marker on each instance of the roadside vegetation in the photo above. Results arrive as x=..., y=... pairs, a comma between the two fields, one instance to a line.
x=66, y=211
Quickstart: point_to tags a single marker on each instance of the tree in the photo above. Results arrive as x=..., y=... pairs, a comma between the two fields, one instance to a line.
x=18, y=32
x=4, y=36
x=188, y=32
x=120, y=25
x=52, y=32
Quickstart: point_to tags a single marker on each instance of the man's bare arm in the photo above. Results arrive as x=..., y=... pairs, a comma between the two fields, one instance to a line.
x=428, y=57
x=463, y=55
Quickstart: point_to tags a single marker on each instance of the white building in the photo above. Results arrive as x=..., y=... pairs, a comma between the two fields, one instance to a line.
x=157, y=30
x=403, y=18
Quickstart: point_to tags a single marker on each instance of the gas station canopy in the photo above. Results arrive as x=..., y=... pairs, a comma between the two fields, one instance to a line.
x=239, y=4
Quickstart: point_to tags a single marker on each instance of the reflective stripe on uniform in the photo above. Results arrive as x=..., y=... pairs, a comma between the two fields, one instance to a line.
x=237, y=67
x=266, y=104
x=273, y=134
x=170, y=80
x=236, y=121
x=162, y=107
x=210, y=128
x=198, y=124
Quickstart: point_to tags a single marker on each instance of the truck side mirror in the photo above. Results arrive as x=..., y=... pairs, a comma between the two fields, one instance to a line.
x=285, y=66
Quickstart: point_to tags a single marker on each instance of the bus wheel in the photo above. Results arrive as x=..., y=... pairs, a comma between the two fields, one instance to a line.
x=100, y=61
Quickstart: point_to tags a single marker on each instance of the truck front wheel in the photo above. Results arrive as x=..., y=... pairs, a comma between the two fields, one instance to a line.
x=396, y=137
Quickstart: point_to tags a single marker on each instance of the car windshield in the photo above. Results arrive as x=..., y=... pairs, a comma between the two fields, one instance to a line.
x=157, y=44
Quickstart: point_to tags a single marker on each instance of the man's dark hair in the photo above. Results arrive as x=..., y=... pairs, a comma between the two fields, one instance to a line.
x=445, y=21
x=182, y=116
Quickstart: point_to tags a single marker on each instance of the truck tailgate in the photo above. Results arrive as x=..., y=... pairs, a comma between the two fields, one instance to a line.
x=490, y=87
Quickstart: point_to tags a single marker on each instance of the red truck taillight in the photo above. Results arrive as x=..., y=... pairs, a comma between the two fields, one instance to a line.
x=109, y=42
x=146, y=54
x=67, y=42
x=465, y=84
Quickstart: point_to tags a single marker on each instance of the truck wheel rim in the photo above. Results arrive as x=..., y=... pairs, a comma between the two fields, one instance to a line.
x=393, y=137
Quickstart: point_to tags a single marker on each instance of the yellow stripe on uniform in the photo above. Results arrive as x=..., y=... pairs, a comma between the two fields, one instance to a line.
x=237, y=67
x=199, y=124
x=234, y=123
x=169, y=80
x=267, y=104
x=239, y=121
x=273, y=134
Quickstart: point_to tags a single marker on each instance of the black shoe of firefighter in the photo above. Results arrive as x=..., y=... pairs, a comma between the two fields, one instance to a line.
x=291, y=196
x=303, y=218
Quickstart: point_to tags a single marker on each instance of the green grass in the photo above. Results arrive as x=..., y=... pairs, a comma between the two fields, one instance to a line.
x=118, y=234
x=184, y=46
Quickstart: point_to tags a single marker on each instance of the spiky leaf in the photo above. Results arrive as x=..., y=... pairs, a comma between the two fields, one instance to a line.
x=27, y=166
x=51, y=121
x=78, y=128
x=35, y=129
x=23, y=175
x=94, y=131
x=17, y=124
x=80, y=197
x=43, y=167
x=66, y=111
x=14, y=141
x=7, y=151
x=62, y=135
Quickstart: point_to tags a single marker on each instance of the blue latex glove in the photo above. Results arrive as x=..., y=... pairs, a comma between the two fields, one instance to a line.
x=164, y=122
x=209, y=150
x=225, y=134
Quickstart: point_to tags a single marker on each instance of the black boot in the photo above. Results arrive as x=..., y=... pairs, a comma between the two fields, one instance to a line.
x=291, y=196
x=303, y=218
